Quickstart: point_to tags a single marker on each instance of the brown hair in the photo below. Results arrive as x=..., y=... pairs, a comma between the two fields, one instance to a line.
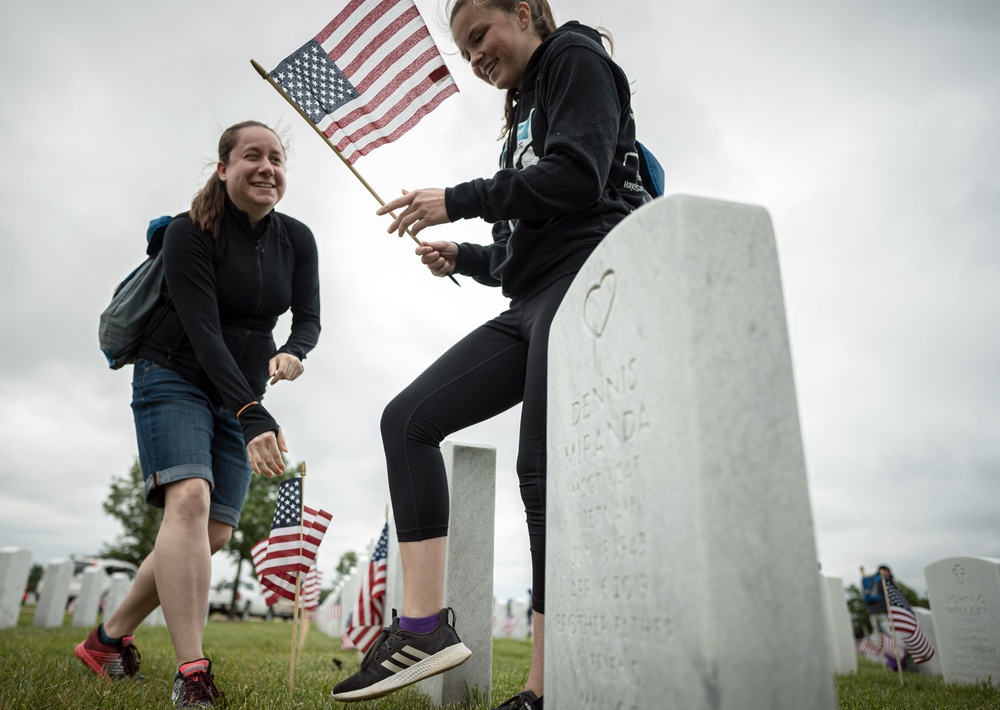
x=209, y=202
x=542, y=19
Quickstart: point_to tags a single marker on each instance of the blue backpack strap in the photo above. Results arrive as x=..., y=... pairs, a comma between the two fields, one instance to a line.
x=154, y=233
x=650, y=170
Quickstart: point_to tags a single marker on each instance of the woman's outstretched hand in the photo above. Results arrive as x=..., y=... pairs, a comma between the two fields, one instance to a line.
x=440, y=257
x=421, y=208
x=264, y=452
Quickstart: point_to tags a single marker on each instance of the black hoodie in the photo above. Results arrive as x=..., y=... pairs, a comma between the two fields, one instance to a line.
x=226, y=297
x=569, y=171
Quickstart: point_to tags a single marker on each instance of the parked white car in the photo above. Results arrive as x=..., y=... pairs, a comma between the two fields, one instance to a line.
x=249, y=599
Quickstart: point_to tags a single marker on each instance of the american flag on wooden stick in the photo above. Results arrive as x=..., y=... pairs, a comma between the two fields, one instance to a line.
x=296, y=533
x=369, y=76
x=907, y=626
x=366, y=624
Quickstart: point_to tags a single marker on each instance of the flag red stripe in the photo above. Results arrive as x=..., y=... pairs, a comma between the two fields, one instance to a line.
x=337, y=21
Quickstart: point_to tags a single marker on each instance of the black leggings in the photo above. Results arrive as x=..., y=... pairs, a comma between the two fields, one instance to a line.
x=497, y=365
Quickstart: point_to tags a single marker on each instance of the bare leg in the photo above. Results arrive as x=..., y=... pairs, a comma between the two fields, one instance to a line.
x=183, y=565
x=423, y=576
x=142, y=597
x=536, y=673
x=137, y=604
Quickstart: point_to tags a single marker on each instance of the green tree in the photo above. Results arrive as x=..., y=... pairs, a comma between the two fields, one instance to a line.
x=34, y=576
x=139, y=520
x=859, y=613
x=347, y=561
x=255, y=522
x=911, y=596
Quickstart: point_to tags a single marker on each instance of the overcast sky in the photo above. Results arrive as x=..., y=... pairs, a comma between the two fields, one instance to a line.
x=867, y=130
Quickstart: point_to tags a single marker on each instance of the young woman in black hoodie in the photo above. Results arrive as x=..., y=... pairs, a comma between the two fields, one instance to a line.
x=232, y=265
x=568, y=174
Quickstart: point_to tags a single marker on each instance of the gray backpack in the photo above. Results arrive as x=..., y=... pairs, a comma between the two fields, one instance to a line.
x=138, y=304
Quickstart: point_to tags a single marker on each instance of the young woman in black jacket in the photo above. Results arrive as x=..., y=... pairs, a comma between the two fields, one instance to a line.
x=569, y=172
x=232, y=266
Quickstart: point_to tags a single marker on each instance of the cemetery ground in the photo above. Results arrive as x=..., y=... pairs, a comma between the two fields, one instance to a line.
x=250, y=660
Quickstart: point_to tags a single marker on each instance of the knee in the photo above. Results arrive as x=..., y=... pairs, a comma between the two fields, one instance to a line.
x=394, y=419
x=188, y=500
x=218, y=535
x=401, y=420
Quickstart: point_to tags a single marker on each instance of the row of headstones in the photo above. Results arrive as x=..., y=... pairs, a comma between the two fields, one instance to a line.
x=678, y=517
x=50, y=608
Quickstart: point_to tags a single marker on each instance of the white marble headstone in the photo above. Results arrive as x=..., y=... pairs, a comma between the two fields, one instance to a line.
x=682, y=566
x=468, y=584
x=88, y=601
x=965, y=599
x=120, y=584
x=51, y=608
x=926, y=618
x=15, y=566
x=845, y=650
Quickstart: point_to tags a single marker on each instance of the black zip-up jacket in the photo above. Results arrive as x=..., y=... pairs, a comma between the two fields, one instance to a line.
x=569, y=170
x=225, y=298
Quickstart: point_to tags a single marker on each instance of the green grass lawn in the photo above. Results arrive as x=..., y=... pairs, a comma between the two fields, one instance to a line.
x=38, y=671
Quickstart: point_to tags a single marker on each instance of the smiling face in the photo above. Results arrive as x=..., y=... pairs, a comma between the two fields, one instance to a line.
x=496, y=44
x=254, y=175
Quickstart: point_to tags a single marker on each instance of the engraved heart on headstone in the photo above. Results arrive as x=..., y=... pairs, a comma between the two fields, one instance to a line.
x=597, y=304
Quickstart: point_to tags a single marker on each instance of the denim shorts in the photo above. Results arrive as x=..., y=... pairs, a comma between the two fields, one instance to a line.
x=182, y=434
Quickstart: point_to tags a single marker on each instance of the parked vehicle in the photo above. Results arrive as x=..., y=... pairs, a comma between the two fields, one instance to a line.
x=283, y=608
x=249, y=599
x=106, y=565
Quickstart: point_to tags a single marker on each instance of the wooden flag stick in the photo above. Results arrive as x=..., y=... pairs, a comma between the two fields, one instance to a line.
x=267, y=77
x=892, y=626
x=298, y=579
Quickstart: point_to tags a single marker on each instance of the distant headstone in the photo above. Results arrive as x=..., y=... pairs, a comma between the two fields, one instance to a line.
x=15, y=566
x=933, y=666
x=88, y=601
x=516, y=625
x=120, y=584
x=51, y=609
x=393, y=574
x=468, y=584
x=499, y=613
x=841, y=633
x=681, y=557
x=155, y=618
x=352, y=588
x=965, y=599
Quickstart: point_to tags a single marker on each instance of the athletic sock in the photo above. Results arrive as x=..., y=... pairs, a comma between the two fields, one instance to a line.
x=105, y=639
x=419, y=624
x=191, y=666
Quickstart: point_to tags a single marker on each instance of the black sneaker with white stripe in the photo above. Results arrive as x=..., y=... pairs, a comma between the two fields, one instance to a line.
x=525, y=700
x=400, y=658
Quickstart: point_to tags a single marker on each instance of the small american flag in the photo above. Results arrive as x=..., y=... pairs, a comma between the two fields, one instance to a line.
x=366, y=625
x=877, y=646
x=310, y=593
x=906, y=624
x=369, y=76
x=296, y=533
x=509, y=624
